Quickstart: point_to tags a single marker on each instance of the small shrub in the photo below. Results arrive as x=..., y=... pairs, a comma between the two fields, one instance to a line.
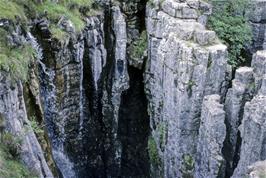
x=188, y=165
x=230, y=22
x=139, y=46
x=10, y=167
x=37, y=128
x=12, y=144
x=153, y=152
x=58, y=33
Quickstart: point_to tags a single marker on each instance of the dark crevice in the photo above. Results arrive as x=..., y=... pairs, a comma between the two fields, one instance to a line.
x=93, y=131
x=232, y=156
x=237, y=152
x=141, y=15
x=105, y=83
x=133, y=123
x=248, y=58
x=134, y=127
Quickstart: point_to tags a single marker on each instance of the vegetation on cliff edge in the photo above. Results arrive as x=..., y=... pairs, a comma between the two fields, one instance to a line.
x=15, y=60
x=229, y=20
x=10, y=166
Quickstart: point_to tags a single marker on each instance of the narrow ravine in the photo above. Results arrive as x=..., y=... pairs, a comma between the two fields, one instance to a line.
x=134, y=128
x=131, y=89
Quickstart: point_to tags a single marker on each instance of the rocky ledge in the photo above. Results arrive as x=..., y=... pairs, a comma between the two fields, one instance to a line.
x=142, y=90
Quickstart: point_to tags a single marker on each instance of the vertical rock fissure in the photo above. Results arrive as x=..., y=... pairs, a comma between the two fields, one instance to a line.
x=227, y=150
x=241, y=92
x=236, y=156
x=56, y=60
x=94, y=134
x=133, y=122
x=133, y=127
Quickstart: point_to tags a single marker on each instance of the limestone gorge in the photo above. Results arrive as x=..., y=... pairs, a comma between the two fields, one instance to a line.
x=132, y=89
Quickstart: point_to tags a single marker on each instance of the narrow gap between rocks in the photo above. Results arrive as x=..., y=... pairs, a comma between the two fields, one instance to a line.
x=134, y=127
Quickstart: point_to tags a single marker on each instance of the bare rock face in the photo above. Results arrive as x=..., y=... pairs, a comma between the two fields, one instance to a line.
x=252, y=128
x=184, y=64
x=257, y=170
x=258, y=24
x=60, y=77
x=118, y=76
x=168, y=112
x=259, y=65
x=212, y=132
x=13, y=111
x=252, y=132
x=242, y=91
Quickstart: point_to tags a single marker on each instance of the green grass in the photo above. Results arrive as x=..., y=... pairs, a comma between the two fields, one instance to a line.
x=58, y=33
x=10, y=9
x=55, y=11
x=74, y=10
x=140, y=45
x=80, y=3
x=15, y=61
x=153, y=152
x=10, y=167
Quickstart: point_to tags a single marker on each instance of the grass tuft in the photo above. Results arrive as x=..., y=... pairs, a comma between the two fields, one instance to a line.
x=11, y=10
x=11, y=167
x=15, y=60
x=140, y=45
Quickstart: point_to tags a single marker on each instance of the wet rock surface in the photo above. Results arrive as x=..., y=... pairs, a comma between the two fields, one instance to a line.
x=13, y=111
x=173, y=110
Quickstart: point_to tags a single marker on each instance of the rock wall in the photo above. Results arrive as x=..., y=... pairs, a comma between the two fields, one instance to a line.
x=13, y=111
x=212, y=132
x=252, y=128
x=257, y=169
x=86, y=78
x=185, y=63
x=242, y=91
x=174, y=110
x=258, y=23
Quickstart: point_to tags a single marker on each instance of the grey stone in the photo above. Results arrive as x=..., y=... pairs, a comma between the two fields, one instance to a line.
x=257, y=18
x=253, y=134
x=259, y=65
x=13, y=110
x=204, y=37
x=212, y=133
x=257, y=170
x=241, y=92
x=112, y=97
x=179, y=73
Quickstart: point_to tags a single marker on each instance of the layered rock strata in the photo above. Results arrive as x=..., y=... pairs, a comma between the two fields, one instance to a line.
x=257, y=18
x=242, y=91
x=252, y=128
x=212, y=132
x=185, y=63
x=13, y=111
x=89, y=90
